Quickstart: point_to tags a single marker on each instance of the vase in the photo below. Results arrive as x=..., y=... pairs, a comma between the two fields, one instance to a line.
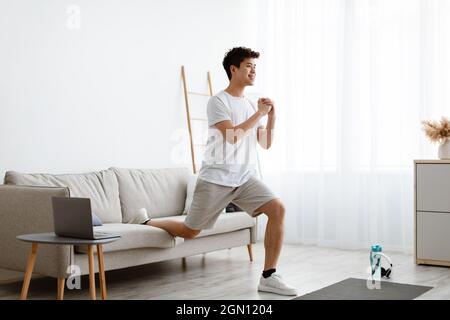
x=444, y=150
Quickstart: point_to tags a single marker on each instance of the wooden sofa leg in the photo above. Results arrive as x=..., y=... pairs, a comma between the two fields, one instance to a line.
x=61, y=284
x=250, y=251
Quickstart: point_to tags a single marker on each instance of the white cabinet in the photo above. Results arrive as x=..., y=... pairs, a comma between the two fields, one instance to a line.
x=432, y=212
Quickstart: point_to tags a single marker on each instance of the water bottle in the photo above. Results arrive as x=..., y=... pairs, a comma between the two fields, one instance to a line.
x=375, y=260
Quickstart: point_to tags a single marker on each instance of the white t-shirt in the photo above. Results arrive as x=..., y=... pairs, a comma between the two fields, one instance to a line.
x=225, y=163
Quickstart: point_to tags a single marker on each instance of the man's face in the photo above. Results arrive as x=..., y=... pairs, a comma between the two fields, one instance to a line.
x=246, y=73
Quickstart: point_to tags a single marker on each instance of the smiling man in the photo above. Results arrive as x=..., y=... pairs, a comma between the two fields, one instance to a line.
x=228, y=172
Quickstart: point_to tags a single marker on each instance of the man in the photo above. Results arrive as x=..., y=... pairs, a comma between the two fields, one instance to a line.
x=228, y=171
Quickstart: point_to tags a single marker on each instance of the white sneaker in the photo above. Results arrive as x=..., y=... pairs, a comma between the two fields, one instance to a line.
x=140, y=217
x=276, y=284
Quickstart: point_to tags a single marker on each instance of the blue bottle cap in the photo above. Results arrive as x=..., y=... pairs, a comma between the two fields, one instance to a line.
x=377, y=248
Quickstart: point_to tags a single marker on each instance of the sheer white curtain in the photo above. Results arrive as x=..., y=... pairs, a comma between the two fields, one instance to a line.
x=352, y=79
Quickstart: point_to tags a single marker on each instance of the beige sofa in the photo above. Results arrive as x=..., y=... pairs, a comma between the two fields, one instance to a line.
x=116, y=194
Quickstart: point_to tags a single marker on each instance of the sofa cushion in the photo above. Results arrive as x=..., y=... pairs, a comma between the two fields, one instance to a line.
x=161, y=191
x=134, y=236
x=227, y=222
x=101, y=187
x=141, y=236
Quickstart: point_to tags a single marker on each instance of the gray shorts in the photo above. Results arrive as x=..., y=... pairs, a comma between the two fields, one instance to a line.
x=210, y=199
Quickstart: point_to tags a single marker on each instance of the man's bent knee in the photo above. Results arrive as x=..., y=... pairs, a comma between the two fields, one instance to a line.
x=275, y=209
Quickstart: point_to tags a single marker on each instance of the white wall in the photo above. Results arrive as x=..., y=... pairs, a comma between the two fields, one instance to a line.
x=110, y=92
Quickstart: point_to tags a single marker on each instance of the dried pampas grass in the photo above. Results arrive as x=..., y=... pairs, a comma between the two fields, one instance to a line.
x=437, y=131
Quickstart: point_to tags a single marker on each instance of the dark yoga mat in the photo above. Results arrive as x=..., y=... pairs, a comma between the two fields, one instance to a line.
x=356, y=289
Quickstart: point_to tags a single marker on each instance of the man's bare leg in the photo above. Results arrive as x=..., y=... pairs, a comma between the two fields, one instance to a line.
x=175, y=228
x=274, y=234
x=271, y=280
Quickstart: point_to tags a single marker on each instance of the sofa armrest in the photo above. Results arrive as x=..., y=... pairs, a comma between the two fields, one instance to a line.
x=24, y=210
x=254, y=232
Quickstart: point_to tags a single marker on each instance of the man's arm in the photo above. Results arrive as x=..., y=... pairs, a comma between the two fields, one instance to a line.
x=233, y=134
x=265, y=134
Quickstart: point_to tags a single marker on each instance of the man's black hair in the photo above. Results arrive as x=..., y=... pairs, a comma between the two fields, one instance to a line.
x=235, y=56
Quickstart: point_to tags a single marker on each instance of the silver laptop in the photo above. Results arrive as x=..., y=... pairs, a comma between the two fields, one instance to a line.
x=72, y=217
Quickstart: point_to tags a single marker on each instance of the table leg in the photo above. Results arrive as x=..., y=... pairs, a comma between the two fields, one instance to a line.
x=91, y=272
x=61, y=284
x=29, y=271
x=101, y=270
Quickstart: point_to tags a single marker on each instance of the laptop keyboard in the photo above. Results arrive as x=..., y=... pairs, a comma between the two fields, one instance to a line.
x=100, y=233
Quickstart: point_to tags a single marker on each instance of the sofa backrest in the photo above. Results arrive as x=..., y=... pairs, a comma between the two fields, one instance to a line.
x=101, y=187
x=161, y=191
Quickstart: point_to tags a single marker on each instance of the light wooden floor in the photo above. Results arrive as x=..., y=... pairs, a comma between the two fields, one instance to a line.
x=228, y=274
